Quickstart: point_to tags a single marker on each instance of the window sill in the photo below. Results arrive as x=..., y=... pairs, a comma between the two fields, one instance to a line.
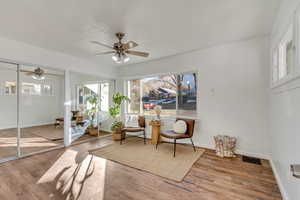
x=175, y=115
x=285, y=80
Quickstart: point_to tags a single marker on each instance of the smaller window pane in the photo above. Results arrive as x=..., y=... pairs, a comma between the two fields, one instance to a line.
x=187, y=91
x=134, y=95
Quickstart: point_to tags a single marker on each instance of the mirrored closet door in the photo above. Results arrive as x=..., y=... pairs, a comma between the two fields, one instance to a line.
x=41, y=109
x=8, y=111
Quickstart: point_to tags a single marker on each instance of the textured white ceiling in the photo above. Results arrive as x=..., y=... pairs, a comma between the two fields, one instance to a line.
x=161, y=27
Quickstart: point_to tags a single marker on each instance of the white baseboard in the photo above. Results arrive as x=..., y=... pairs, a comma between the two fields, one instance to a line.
x=238, y=151
x=255, y=155
x=279, y=182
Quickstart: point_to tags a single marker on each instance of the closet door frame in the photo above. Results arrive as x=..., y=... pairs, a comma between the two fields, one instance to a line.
x=18, y=133
x=19, y=153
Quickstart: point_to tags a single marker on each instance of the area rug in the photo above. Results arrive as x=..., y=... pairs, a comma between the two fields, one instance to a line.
x=160, y=161
x=48, y=131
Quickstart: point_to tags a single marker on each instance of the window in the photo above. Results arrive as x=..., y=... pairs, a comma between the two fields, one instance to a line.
x=10, y=88
x=173, y=93
x=98, y=89
x=84, y=91
x=31, y=89
x=286, y=54
x=134, y=94
x=159, y=90
x=187, y=91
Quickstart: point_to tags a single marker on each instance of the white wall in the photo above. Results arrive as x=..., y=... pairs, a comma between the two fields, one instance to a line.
x=232, y=87
x=285, y=116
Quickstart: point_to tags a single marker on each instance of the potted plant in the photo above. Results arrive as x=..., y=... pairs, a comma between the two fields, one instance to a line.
x=93, y=100
x=115, y=113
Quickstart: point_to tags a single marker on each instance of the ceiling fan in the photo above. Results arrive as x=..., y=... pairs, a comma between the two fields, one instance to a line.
x=37, y=74
x=120, y=50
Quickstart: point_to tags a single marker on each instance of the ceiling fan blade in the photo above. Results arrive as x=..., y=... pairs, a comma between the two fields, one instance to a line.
x=53, y=74
x=138, y=53
x=101, y=44
x=105, y=53
x=129, y=45
x=29, y=73
x=22, y=70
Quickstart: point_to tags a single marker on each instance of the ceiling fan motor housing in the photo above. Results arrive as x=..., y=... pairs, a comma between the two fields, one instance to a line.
x=120, y=35
x=39, y=71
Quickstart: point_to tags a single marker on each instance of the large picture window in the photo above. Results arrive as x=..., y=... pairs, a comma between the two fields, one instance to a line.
x=175, y=92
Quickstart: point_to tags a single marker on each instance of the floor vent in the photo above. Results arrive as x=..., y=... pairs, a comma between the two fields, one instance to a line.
x=251, y=160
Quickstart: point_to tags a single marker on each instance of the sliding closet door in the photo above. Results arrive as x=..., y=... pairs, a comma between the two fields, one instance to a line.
x=8, y=111
x=41, y=109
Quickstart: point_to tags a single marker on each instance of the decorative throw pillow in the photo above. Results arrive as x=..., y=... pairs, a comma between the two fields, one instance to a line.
x=180, y=127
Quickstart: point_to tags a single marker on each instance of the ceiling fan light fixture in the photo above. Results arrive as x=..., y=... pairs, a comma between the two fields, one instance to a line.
x=125, y=58
x=120, y=50
x=116, y=57
x=38, y=77
x=120, y=58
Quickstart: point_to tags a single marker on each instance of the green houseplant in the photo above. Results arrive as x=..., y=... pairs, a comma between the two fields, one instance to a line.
x=93, y=100
x=115, y=113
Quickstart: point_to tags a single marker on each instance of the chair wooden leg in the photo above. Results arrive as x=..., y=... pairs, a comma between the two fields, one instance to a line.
x=144, y=137
x=156, y=145
x=121, y=140
x=193, y=145
x=174, y=148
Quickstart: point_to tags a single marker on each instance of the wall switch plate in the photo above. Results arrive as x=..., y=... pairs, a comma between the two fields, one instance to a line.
x=295, y=170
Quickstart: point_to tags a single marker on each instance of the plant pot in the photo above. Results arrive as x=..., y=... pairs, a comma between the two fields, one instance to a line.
x=118, y=135
x=93, y=131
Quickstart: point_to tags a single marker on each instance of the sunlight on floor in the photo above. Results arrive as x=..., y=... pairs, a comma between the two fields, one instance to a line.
x=26, y=142
x=77, y=175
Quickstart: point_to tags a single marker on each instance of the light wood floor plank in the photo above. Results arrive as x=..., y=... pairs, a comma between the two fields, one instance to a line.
x=71, y=173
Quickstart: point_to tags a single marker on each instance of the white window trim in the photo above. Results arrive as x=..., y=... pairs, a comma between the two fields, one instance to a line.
x=295, y=71
x=125, y=88
x=111, y=87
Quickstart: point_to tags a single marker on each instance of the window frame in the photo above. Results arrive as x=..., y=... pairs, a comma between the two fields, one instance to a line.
x=111, y=89
x=125, y=89
x=283, y=69
x=295, y=69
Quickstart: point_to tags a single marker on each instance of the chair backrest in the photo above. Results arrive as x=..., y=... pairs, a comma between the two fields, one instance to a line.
x=190, y=126
x=141, y=121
